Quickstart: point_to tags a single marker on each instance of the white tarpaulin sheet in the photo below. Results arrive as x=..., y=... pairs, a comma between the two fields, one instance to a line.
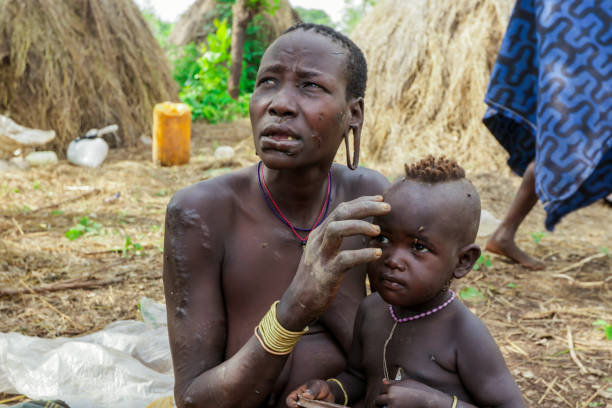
x=127, y=364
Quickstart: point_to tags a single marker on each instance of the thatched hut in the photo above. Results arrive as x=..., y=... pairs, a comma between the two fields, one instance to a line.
x=195, y=24
x=429, y=64
x=73, y=65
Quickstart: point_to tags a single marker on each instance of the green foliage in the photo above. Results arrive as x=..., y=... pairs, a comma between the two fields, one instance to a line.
x=57, y=212
x=604, y=250
x=353, y=11
x=204, y=86
x=36, y=185
x=202, y=72
x=160, y=29
x=605, y=326
x=130, y=247
x=483, y=261
x=471, y=293
x=84, y=227
x=537, y=237
x=186, y=66
x=314, y=16
x=265, y=6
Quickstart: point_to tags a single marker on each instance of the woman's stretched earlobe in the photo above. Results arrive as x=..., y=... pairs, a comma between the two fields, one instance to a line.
x=352, y=164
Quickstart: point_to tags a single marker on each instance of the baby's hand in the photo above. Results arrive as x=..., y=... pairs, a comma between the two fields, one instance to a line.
x=314, y=389
x=410, y=393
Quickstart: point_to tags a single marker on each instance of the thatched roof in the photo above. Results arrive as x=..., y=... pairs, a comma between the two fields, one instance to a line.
x=429, y=63
x=195, y=24
x=73, y=65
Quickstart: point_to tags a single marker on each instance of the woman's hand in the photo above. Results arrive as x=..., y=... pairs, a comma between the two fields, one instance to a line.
x=323, y=263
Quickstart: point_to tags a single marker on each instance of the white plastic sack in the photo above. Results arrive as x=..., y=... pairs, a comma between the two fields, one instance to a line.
x=127, y=364
x=488, y=224
x=87, y=152
x=14, y=136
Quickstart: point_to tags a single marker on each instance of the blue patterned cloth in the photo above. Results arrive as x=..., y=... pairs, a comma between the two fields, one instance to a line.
x=550, y=100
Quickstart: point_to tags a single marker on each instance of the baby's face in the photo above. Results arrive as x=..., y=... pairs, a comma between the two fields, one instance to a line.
x=419, y=242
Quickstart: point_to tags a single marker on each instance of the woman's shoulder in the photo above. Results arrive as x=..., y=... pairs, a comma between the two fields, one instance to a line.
x=215, y=193
x=359, y=182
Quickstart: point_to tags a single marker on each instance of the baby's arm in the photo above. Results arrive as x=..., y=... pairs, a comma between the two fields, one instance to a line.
x=313, y=389
x=347, y=387
x=482, y=368
x=342, y=389
x=413, y=394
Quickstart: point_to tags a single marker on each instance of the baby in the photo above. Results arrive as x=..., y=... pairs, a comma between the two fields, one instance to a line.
x=415, y=344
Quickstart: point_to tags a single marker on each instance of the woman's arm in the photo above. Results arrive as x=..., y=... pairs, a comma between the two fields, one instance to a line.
x=193, y=254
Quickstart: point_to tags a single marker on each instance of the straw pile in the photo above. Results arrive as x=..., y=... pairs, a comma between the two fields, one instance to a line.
x=429, y=66
x=74, y=65
x=195, y=24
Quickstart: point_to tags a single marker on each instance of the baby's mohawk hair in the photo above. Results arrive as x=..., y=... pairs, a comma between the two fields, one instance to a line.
x=434, y=170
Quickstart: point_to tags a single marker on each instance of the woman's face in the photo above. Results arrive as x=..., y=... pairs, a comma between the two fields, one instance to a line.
x=299, y=110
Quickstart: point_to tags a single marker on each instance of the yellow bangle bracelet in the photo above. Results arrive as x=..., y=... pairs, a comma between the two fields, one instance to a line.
x=273, y=337
x=263, y=345
x=454, y=402
x=341, y=389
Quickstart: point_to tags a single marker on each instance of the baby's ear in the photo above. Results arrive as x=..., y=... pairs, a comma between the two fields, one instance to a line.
x=468, y=255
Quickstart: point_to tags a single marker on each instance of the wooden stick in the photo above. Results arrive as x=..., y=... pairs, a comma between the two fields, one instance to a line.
x=578, y=284
x=85, y=281
x=516, y=348
x=17, y=225
x=552, y=384
x=115, y=250
x=570, y=343
x=579, y=263
x=562, y=397
x=78, y=283
x=79, y=197
x=587, y=402
x=13, y=399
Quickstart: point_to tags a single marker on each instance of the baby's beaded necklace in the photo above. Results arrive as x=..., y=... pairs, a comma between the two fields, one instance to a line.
x=407, y=319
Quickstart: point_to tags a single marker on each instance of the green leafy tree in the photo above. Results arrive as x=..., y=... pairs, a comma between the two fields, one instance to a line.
x=353, y=11
x=160, y=29
x=204, y=87
x=314, y=16
x=243, y=12
x=202, y=71
x=254, y=49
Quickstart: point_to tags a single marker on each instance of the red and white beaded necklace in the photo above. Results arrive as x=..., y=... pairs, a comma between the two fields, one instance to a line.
x=408, y=319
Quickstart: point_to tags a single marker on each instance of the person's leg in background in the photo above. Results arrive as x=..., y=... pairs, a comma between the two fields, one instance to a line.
x=503, y=240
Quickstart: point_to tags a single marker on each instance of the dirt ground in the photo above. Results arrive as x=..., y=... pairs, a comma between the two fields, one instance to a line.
x=542, y=321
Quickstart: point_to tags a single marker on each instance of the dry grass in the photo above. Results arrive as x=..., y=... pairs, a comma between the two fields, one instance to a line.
x=197, y=22
x=532, y=315
x=79, y=64
x=429, y=65
x=424, y=97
